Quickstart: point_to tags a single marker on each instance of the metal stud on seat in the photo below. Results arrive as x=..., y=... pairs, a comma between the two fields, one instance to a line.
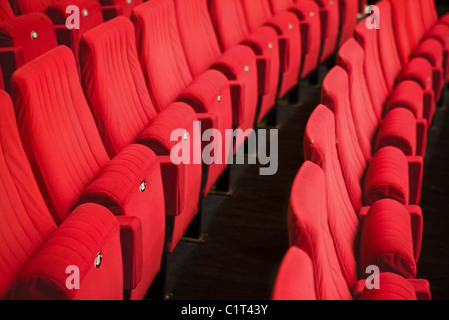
x=34, y=35
x=270, y=45
x=85, y=12
x=247, y=68
x=98, y=260
x=219, y=98
x=186, y=135
x=143, y=186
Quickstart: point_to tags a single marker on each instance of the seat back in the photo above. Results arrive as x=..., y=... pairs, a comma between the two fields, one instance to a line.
x=348, y=10
x=335, y=95
x=28, y=6
x=225, y=14
x=25, y=220
x=5, y=10
x=295, y=279
x=309, y=230
x=351, y=58
x=22, y=39
x=257, y=13
x=330, y=26
x=429, y=13
x=160, y=51
x=114, y=84
x=320, y=148
x=197, y=33
x=114, y=8
x=57, y=129
x=375, y=79
x=402, y=30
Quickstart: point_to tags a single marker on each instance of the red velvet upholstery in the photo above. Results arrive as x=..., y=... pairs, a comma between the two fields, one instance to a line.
x=90, y=16
x=348, y=19
x=125, y=113
x=311, y=230
x=263, y=41
x=320, y=147
x=29, y=6
x=330, y=26
x=22, y=39
x=295, y=279
x=308, y=13
x=114, y=8
x=71, y=164
x=286, y=24
x=168, y=76
x=5, y=10
x=392, y=287
x=203, y=52
x=35, y=253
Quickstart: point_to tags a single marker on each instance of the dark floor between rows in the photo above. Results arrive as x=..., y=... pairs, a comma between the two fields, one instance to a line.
x=248, y=232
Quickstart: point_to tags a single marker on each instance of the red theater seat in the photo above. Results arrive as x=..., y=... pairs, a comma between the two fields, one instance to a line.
x=125, y=114
x=34, y=251
x=330, y=26
x=203, y=52
x=263, y=41
x=30, y=6
x=348, y=19
x=22, y=39
x=398, y=128
x=72, y=167
x=286, y=24
x=308, y=12
x=169, y=79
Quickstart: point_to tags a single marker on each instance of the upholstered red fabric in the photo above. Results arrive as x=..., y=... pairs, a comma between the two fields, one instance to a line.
x=286, y=24
x=29, y=6
x=66, y=153
x=335, y=95
x=310, y=230
x=125, y=113
x=5, y=10
x=320, y=147
x=22, y=39
x=90, y=16
x=295, y=279
x=392, y=287
x=263, y=41
x=169, y=79
x=330, y=26
x=386, y=239
x=114, y=8
x=348, y=19
x=202, y=51
x=90, y=230
x=34, y=252
x=308, y=13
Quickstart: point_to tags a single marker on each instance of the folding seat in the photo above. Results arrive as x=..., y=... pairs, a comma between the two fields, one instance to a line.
x=169, y=79
x=412, y=86
x=34, y=252
x=398, y=128
x=308, y=13
x=347, y=224
x=203, y=52
x=5, y=10
x=263, y=41
x=389, y=173
x=330, y=25
x=362, y=6
x=72, y=167
x=410, y=38
x=286, y=24
x=348, y=19
x=114, y=8
x=125, y=114
x=22, y=39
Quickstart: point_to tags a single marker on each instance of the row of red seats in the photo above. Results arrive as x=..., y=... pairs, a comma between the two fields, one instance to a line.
x=354, y=205
x=86, y=136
